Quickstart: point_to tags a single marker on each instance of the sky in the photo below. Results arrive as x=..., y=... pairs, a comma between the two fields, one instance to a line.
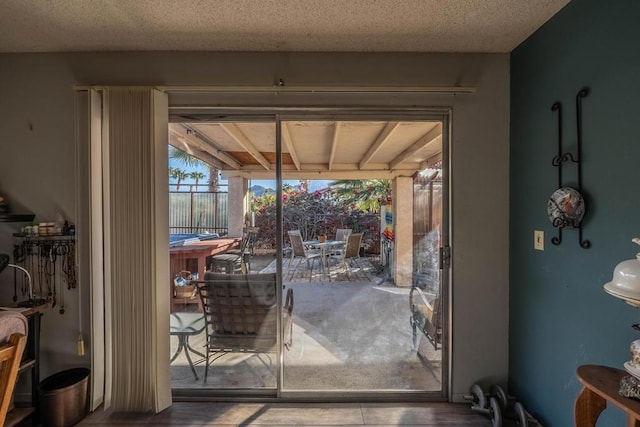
x=267, y=183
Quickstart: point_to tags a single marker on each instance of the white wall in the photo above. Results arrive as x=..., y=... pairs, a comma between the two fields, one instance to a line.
x=37, y=170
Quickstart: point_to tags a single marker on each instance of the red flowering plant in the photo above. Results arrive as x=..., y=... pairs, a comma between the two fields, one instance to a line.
x=314, y=213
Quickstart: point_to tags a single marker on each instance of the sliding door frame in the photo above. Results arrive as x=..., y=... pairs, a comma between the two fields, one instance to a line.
x=284, y=114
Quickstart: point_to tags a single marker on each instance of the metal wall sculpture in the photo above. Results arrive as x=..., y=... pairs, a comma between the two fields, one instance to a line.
x=566, y=206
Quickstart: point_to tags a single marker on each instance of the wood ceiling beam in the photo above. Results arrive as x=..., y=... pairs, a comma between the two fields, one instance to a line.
x=326, y=175
x=181, y=144
x=334, y=143
x=422, y=142
x=234, y=132
x=288, y=141
x=322, y=168
x=380, y=140
x=191, y=136
x=431, y=161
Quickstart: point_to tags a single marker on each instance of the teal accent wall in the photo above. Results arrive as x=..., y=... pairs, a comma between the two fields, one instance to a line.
x=560, y=316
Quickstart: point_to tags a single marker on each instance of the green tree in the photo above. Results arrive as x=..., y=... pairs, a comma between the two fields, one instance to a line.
x=197, y=176
x=189, y=160
x=366, y=194
x=178, y=174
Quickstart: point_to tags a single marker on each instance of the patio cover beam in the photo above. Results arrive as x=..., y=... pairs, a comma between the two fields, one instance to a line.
x=288, y=142
x=421, y=143
x=380, y=140
x=179, y=143
x=431, y=161
x=334, y=144
x=234, y=132
x=319, y=171
x=202, y=143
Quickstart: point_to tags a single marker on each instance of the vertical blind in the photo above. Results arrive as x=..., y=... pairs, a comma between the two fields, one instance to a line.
x=137, y=332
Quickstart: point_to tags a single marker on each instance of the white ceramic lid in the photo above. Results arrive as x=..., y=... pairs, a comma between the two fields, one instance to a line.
x=611, y=290
x=625, y=282
x=626, y=278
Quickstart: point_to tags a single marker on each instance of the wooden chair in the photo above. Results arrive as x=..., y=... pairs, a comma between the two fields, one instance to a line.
x=241, y=314
x=13, y=336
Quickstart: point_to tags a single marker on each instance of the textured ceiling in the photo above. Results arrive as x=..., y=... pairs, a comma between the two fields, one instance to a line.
x=271, y=25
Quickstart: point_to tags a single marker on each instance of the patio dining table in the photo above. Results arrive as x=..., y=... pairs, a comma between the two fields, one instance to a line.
x=325, y=249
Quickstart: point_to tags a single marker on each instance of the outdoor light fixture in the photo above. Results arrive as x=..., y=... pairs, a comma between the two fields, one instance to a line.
x=31, y=302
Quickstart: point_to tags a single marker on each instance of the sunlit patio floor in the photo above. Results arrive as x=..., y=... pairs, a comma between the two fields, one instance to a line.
x=347, y=335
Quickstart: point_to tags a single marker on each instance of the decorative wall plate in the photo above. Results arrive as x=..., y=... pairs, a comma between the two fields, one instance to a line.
x=565, y=208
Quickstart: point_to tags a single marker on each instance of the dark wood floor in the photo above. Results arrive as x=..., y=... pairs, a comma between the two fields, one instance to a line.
x=298, y=414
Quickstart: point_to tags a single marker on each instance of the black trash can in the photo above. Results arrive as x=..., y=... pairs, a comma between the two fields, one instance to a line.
x=64, y=398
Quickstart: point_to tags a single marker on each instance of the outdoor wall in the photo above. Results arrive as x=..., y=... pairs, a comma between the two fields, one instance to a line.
x=560, y=316
x=37, y=169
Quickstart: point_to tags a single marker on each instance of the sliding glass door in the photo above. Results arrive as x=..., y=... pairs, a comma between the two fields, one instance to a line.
x=333, y=223
x=351, y=258
x=224, y=286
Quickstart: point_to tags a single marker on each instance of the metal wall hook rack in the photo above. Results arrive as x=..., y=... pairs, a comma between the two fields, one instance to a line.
x=52, y=263
x=564, y=157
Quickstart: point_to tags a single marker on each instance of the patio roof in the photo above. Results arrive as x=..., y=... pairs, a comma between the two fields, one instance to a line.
x=314, y=149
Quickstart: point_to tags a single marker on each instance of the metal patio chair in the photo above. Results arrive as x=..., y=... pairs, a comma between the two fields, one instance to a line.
x=241, y=314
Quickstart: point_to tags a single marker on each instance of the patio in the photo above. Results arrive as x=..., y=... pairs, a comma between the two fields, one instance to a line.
x=347, y=335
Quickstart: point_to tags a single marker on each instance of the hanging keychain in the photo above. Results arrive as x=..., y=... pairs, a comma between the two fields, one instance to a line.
x=50, y=272
x=61, y=250
x=18, y=258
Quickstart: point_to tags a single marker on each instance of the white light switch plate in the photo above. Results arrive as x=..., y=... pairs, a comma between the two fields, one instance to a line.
x=538, y=240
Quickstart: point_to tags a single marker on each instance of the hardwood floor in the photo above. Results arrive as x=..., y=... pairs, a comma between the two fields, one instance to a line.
x=298, y=414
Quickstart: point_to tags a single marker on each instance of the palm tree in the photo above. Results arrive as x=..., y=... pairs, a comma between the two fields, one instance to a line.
x=197, y=176
x=365, y=194
x=179, y=175
x=304, y=185
x=189, y=160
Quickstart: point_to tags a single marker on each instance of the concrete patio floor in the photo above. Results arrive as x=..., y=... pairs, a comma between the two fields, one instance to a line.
x=347, y=335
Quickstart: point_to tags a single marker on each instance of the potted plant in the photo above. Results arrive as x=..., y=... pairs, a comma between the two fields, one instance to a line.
x=321, y=233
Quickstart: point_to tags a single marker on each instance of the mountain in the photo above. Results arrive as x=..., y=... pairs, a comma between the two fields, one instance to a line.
x=259, y=190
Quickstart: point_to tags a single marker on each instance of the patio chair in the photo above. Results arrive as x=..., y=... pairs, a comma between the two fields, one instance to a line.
x=236, y=260
x=299, y=250
x=343, y=233
x=350, y=254
x=241, y=314
x=13, y=337
x=426, y=317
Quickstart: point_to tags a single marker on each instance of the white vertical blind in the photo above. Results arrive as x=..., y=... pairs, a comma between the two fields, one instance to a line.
x=97, y=259
x=135, y=231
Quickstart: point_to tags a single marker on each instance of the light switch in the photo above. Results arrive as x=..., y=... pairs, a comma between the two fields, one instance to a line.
x=538, y=240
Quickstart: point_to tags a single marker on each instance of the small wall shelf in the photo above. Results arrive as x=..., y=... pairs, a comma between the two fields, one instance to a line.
x=17, y=217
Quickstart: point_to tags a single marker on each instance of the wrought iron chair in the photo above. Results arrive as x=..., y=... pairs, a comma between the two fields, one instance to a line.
x=236, y=260
x=426, y=317
x=241, y=314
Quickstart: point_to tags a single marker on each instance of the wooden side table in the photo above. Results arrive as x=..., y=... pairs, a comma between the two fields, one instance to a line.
x=601, y=384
